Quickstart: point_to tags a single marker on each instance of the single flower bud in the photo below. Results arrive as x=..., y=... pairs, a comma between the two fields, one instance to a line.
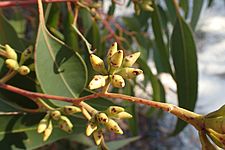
x=98, y=64
x=43, y=124
x=129, y=73
x=23, y=70
x=98, y=136
x=27, y=53
x=217, y=138
x=146, y=6
x=91, y=127
x=12, y=64
x=97, y=82
x=56, y=114
x=111, y=52
x=11, y=54
x=129, y=60
x=114, y=127
x=113, y=110
x=48, y=131
x=71, y=110
x=116, y=59
x=123, y=115
x=102, y=118
x=65, y=124
x=118, y=81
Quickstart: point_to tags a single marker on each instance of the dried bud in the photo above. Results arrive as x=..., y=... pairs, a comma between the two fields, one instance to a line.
x=113, y=110
x=123, y=115
x=97, y=82
x=65, y=124
x=114, y=127
x=43, y=124
x=27, y=53
x=118, y=81
x=98, y=136
x=56, y=114
x=116, y=59
x=129, y=60
x=71, y=110
x=48, y=131
x=111, y=52
x=102, y=118
x=98, y=64
x=129, y=73
x=11, y=54
x=24, y=70
x=91, y=127
x=12, y=64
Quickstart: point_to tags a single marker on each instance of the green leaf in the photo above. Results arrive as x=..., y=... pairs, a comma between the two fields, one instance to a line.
x=6, y=107
x=184, y=56
x=197, y=7
x=184, y=4
x=59, y=69
x=20, y=131
x=115, y=145
x=171, y=11
x=132, y=23
x=161, y=49
x=86, y=20
x=9, y=35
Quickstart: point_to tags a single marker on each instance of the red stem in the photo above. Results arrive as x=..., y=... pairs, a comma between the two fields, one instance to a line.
x=28, y=2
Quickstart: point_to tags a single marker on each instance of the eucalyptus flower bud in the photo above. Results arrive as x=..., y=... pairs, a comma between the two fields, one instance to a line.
x=117, y=59
x=32, y=67
x=129, y=60
x=217, y=138
x=43, y=124
x=146, y=5
x=129, y=73
x=12, y=64
x=11, y=54
x=118, y=81
x=71, y=110
x=91, y=127
x=24, y=70
x=48, y=131
x=65, y=124
x=113, y=110
x=111, y=52
x=97, y=82
x=98, y=136
x=114, y=127
x=102, y=118
x=98, y=64
x=27, y=53
x=217, y=124
x=123, y=115
x=56, y=114
x=206, y=144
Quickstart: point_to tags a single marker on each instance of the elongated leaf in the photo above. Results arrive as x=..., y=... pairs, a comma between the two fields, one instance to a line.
x=59, y=70
x=171, y=11
x=197, y=7
x=161, y=49
x=184, y=4
x=183, y=51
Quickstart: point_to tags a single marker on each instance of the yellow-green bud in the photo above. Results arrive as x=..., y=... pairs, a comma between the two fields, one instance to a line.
x=43, y=124
x=98, y=136
x=129, y=73
x=71, y=110
x=32, y=67
x=102, y=118
x=91, y=127
x=137, y=9
x=217, y=138
x=146, y=5
x=56, y=114
x=97, y=82
x=117, y=59
x=11, y=54
x=217, y=124
x=129, y=60
x=27, y=53
x=118, y=81
x=123, y=115
x=65, y=124
x=23, y=70
x=12, y=64
x=114, y=127
x=112, y=110
x=98, y=64
x=48, y=131
x=111, y=52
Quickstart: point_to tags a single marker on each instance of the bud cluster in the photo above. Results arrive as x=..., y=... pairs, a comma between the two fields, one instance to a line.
x=119, y=68
x=45, y=126
x=145, y=5
x=106, y=118
x=12, y=62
